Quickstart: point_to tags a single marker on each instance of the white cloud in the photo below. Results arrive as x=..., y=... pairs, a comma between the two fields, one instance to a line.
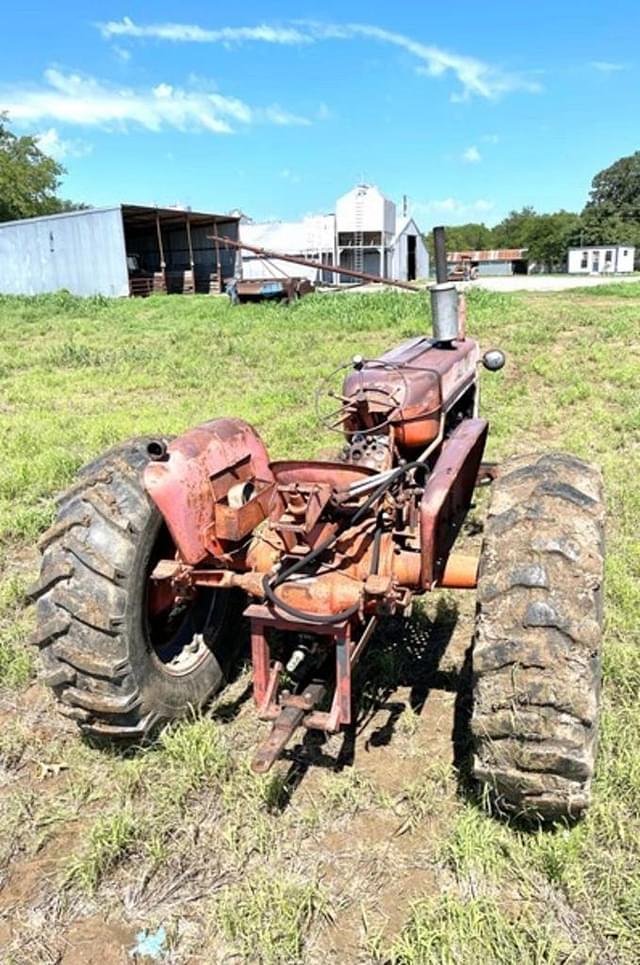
x=162, y=90
x=471, y=155
x=490, y=138
x=476, y=77
x=191, y=33
x=82, y=100
x=51, y=144
x=453, y=209
x=607, y=66
x=277, y=115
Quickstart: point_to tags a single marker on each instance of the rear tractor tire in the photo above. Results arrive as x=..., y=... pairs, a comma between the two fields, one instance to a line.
x=536, y=657
x=119, y=659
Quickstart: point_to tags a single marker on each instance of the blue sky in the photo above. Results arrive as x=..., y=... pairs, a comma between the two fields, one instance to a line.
x=470, y=109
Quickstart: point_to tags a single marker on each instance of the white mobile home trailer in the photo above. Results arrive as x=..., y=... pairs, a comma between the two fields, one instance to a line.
x=601, y=259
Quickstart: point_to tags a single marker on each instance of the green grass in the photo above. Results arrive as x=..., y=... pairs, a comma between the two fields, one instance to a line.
x=452, y=931
x=630, y=289
x=16, y=660
x=109, y=840
x=266, y=917
x=241, y=862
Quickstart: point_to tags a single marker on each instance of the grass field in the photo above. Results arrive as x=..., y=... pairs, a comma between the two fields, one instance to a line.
x=371, y=849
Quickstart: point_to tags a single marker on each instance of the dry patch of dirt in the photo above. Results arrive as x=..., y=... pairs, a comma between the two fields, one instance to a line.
x=376, y=848
x=94, y=941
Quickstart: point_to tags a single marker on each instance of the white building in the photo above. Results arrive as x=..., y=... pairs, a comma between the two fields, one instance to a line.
x=601, y=259
x=364, y=234
x=409, y=254
x=313, y=238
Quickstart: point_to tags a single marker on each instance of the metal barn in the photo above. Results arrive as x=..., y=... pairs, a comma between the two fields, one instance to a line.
x=121, y=250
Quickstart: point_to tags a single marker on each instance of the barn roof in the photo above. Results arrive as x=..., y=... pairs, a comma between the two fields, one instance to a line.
x=401, y=226
x=489, y=254
x=136, y=214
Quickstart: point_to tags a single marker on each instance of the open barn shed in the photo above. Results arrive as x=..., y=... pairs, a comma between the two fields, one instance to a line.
x=497, y=261
x=125, y=249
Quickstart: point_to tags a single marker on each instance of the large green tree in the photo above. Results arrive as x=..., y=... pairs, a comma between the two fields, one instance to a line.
x=516, y=229
x=612, y=213
x=469, y=237
x=545, y=236
x=549, y=237
x=464, y=237
x=617, y=188
x=29, y=179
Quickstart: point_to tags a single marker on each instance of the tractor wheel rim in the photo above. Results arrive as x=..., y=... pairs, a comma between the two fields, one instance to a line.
x=180, y=634
x=183, y=642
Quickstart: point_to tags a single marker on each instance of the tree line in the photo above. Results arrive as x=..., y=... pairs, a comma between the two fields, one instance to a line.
x=611, y=216
x=29, y=179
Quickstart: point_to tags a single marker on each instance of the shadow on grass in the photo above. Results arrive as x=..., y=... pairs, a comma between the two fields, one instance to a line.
x=403, y=653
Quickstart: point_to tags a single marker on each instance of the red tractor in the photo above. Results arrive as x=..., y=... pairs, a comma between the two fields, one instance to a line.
x=153, y=547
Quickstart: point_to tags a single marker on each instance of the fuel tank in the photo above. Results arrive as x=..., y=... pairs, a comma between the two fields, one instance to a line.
x=409, y=387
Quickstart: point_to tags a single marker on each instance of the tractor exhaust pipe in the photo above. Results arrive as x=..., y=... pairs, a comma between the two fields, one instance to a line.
x=444, y=294
x=440, y=248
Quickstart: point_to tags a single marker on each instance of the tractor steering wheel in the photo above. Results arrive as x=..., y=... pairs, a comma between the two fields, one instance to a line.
x=334, y=421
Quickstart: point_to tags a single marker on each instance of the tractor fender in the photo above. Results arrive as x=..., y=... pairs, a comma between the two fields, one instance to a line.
x=212, y=485
x=447, y=496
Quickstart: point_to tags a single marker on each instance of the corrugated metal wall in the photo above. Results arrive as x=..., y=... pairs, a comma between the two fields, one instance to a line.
x=313, y=238
x=399, y=259
x=370, y=264
x=83, y=252
x=495, y=268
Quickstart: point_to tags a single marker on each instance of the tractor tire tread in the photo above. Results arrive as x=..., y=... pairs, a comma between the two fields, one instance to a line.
x=80, y=603
x=536, y=663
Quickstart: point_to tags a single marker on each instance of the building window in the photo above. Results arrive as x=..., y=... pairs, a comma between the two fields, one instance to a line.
x=608, y=257
x=585, y=260
x=366, y=239
x=625, y=252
